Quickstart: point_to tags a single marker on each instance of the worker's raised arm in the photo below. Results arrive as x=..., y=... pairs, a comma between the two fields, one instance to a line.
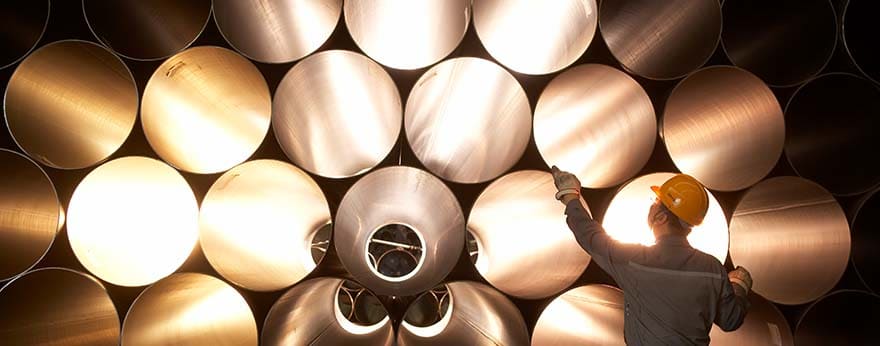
x=733, y=303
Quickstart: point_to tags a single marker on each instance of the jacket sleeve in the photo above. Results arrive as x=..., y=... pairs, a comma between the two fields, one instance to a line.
x=592, y=238
x=732, y=306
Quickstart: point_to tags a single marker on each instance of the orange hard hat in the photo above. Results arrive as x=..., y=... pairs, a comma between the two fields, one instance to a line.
x=685, y=197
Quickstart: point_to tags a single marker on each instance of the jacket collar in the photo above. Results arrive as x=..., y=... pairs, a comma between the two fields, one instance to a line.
x=673, y=240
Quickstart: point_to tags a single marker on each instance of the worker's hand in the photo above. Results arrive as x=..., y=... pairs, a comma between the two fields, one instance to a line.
x=566, y=184
x=741, y=277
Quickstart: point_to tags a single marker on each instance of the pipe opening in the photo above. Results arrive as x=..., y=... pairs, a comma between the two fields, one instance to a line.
x=860, y=36
x=866, y=241
x=585, y=315
x=22, y=24
x=841, y=318
x=764, y=325
x=358, y=305
x=473, y=246
x=321, y=242
x=395, y=251
x=429, y=309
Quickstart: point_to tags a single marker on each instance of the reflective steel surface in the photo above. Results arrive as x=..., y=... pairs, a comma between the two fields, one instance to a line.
x=723, y=126
x=29, y=216
x=467, y=120
x=859, y=36
x=404, y=196
x=586, y=315
x=844, y=317
x=525, y=247
x=661, y=39
x=206, y=109
x=407, y=34
x=477, y=315
x=535, y=37
x=132, y=221
x=146, y=30
x=793, y=237
x=257, y=223
x=626, y=218
x=337, y=114
x=596, y=122
x=189, y=309
x=57, y=306
x=22, y=24
x=764, y=325
x=866, y=239
x=71, y=104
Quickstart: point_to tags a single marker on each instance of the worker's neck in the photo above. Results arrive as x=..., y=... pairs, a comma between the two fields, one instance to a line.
x=664, y=234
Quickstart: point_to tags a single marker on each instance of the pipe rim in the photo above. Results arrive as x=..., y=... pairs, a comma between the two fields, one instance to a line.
x=37, y=42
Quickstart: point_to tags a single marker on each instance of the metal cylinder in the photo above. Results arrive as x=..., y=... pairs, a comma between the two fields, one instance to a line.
x=276, y=31
x=525, y=248
x=146, y=30
x=723, y=126
x=467, y=120
x=761, y=36
x=189, y=309
x=258, y=224
x=71, y=104
x=476, y=314
x=311, y=313
x=29, y=214
x=831, y=125
x=417, y=213
x=132, y=221
x=866, y=239
x=764, y=325
x=556, y=34
x=407, y=34
x=859, y=36
x=337, y=114
x=22, y=24
x=626, y=217
x=586, y=315
x=793, y=237
x=596, y=122
x=57, y=306
x=661, y=39
x=841, y=318
x=211, y=91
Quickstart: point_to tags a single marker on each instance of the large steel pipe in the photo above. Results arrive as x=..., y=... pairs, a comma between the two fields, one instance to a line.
x=535, y=37
x=764, y=325
x=793, y=237
x=337, y=114
x=22, y=24
x=784, y=42
x=525, y=248
x=832, y=124
x=407, y=34
x=189, y=309
x=71, y=104
x=29, y=214
x=57, y=306
x=327, y=311
x=468, y=120
x=596, y=122
x=586, y=315
x=859, y=36
x=723, y=126
x=661, y=39
x=258, y=224
x=146, y=30
x=841, y=318
x=206, y=109
x=473, y=314
x=866, y=240
x=276, y=31
x=626, y=218
x=133, y=221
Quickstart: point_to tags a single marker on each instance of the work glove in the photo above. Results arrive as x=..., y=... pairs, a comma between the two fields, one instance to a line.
x=566, y=183
x=741, y=277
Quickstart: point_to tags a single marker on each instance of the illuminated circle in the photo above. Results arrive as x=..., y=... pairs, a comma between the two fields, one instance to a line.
x=626, y=218
x=206, y=109
x=395, y=252
x=133, y=221
x=24, y=25
x=535, y=37
x=586, y=315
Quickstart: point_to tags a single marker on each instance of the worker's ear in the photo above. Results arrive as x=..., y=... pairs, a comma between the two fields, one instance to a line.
x=661, y=218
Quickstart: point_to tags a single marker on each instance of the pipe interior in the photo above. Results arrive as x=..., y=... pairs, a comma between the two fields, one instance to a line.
x=841, y=318
x=764, y=325
x=865, y=239
x=859, y=36
x=22, y=24
x=586, y=315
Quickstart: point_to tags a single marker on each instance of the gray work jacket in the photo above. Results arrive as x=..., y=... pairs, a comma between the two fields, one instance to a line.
x=672, y=292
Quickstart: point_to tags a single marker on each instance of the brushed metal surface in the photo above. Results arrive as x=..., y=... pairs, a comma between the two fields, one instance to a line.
x=132, y=221
x=146, y=30
x=764, y=325
x=845, y=317
x=276, y=31
x=661, y=39
x=71, y=104
x=407, y=196
x=596, y=122
x=407, y=34
x=586, y=315
x=525, y=247
x=859, y=36
x=59, y=307
x=723, y=126
x=257, y=223
x=467, y=120
x=206, y=109
x=477, y=315
x=626, y=218
x=337, y=114
x=793, y=237
x=309, y=314
x=866, y=239
x=22, y=24
x=189, y=309
x=535, y=37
